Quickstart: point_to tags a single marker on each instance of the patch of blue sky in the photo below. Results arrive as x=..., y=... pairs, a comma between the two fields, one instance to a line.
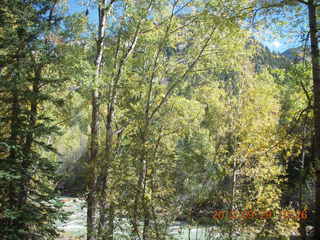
x=285, y=28
x=81, y=6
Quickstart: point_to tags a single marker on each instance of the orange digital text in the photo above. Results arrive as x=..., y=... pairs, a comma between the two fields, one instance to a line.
x=252, y=214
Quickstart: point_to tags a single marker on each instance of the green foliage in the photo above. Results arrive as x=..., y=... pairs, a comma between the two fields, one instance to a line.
x=28, y=202
x=195, y=117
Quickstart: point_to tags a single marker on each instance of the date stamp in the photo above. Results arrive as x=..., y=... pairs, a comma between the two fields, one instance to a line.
x=252, y=214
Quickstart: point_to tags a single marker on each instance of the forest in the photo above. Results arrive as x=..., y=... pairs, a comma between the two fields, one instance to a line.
x=159, y=119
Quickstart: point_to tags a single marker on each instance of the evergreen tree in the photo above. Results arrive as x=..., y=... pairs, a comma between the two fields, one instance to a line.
x=28, y=205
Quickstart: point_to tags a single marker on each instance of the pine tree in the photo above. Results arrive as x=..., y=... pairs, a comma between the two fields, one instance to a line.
x=28, y=205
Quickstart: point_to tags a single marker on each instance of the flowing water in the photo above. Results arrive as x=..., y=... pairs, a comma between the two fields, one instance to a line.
x=75, y=227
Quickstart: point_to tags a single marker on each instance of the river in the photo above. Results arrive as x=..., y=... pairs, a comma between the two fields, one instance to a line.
x=75, y=227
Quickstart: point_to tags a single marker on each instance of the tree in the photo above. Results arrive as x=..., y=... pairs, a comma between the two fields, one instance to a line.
x=103, y=11
x=297, y=127
x=311, y=8
x=28, y=75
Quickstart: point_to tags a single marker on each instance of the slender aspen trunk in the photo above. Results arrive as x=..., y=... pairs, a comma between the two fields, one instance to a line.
x=106, y=230
x=141, y=169
x=146, y=213
x=106, y=223
x=316, y=104
x=109, y=159
x=91, y=200
x=234, y=179
x=146, y=222
x=110, y=222
x=94, y=145
x=302, y=227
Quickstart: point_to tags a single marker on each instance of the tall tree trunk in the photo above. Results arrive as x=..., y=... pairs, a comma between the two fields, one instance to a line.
x=146, y=220
x=316, y=104
x=106, y=220
x=109, y=159
x=139, y=198
x=91, y=200
x=106, y=228
x=233, y=192
x=111, y=216
x=106, y=231
x=146, y=214
x=302, y=222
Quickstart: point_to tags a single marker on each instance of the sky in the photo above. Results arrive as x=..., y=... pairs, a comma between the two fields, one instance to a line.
x=75, y=6
x=279, y=39
x=280, y=45
x=277, y=45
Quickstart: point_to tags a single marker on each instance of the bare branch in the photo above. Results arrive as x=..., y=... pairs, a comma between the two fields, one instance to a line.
x=306, y=93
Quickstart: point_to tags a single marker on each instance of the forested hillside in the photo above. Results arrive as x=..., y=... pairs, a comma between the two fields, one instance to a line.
x=154, y=112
